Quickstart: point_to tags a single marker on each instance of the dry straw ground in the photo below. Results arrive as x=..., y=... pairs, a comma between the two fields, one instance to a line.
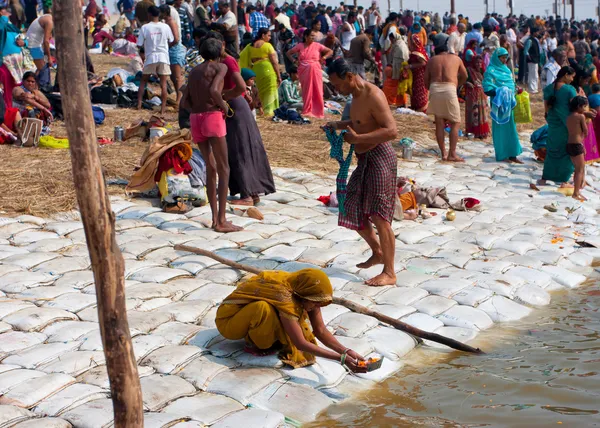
x=39, y=181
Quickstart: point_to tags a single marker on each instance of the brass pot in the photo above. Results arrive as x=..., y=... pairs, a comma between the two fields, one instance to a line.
x=450, y=215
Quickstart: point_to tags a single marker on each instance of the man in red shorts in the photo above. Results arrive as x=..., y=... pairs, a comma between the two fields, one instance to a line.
x=207, y=121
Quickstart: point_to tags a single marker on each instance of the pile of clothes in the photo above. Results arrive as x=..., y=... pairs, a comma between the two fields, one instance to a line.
x=179, y=171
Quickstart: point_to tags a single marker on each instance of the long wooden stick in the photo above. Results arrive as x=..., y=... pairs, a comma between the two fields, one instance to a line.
x=97, y=216
x=434, y=337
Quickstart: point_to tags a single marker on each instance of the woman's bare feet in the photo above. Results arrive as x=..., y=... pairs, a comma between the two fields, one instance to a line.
x=257, y=352
x=454, y=158
x=383, y=278
x=515, y=160
x=226, y=227
x=247, y=202
x=580, y=198
x=375, y=259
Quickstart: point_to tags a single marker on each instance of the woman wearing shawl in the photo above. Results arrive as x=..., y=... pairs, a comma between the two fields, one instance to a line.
x=394, y=72
x=590, y=68
x=310, y=73
x=470, y=51
x=476, y=110
x=272, y=311
x=420, y=32
x=260, y=57
x=417, y=62
x=499, y=79
x=558, y=166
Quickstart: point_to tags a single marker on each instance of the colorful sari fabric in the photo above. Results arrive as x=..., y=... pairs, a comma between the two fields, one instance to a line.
x=420, y=95
x=390, y=88
x=253, y=310
x=558, y=166
x=476, y=109
x=257, y=59
x=470, y=51
x=590, y=143
x=310, y=75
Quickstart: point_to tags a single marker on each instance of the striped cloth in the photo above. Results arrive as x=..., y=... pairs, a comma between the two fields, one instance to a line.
x=337, y=152
x=258, y=21
x=372, y=188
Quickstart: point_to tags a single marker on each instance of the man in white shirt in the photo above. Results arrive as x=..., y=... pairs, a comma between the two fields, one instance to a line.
x=360, y=17
x=282, y=18
x=373, y=16
x=552, y=67
x=229, y=21
x=155, y=38
x=551, y=43
x=456, y=44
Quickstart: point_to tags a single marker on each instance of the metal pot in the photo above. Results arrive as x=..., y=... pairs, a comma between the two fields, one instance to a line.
x=407, y=153
x=119, y=134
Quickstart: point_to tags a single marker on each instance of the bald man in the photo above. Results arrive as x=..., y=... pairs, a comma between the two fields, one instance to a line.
x=456, y=44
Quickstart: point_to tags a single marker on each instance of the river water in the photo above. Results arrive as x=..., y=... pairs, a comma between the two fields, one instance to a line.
x=542, y=371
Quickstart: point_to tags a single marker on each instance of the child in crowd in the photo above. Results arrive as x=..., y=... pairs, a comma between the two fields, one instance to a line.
x=251, y=94
x=577, y=132
x=594, y=98
x=203, y=98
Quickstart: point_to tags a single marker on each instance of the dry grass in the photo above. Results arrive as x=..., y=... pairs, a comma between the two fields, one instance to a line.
x=39, y=181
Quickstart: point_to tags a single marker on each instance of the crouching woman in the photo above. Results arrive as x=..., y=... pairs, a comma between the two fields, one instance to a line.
x=272, y=311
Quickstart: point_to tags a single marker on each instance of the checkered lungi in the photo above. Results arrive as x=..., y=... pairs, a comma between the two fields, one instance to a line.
x=372, y=188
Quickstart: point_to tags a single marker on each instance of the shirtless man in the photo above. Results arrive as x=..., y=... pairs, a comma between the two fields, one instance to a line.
x=444, y=74
x=371, y=192
x=207, y=120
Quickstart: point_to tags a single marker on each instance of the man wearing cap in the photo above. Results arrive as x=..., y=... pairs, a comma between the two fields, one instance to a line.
x=443, y=75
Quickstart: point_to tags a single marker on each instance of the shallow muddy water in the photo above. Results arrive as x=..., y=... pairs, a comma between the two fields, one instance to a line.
x=542, y=371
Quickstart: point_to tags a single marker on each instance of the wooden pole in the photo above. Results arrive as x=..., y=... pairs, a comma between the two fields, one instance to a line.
x=97, y=216
x=347, y=303
x=237, y=19
x=389, y=6
x=572, y=9
x=452, y=8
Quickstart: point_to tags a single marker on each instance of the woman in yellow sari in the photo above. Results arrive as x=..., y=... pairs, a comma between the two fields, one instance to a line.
x=260, y=57
x=273, y=310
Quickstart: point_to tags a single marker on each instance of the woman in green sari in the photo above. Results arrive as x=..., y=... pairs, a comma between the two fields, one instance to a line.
x=497, y=79
x=557, y=165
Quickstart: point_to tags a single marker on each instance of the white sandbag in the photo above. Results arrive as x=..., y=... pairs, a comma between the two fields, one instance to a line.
x=414, y=236
x=31, y=392
x=581, y=258
x=243, y=384
x=501, y=309
x=455, y=257
x=306, y=405
x=204, y=407
x=12, y=341
x=352, y=324
x=422, y=321
x=171, y=358
x=535, y=276
x=393, y=311
x=547, y=257
x=177, y=333
x=67, y=331
x=203, y=369
x=564, y=277
x=158, y=390
x=250, y=418
x=472, y=296
x=401, y=296
x=526, y=260
x=532, y=295
x=362, y=345
x=390, y=343
x=74, y=363
x=12, y=378
x=445, y=287
x=330, y=312
x=433, y=305
x=488, y=266
x=93, y=414
x=426, y=266
x=410, y=278
x=323, y=374
x=35, y=319
x=69, y=398
x=484, y=241
x=466, y=317
x=460, y=334
x=517, y=247
x=388, y=368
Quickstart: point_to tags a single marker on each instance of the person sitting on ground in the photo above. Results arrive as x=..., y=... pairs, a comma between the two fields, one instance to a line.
x=10, y=117
x=101, y=34
x=203, y=97
x=281, y=311
x=155, y=38
x=30, y=101
x=289, y=92
x=251, y=94
x=129, y=36
x=578, y=130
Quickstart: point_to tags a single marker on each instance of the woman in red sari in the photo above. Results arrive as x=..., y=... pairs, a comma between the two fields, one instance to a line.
x=417, y=62
x=470, y=51
x=476, y=109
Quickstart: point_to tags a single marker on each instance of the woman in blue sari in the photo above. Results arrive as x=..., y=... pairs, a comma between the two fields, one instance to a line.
x=498, y=81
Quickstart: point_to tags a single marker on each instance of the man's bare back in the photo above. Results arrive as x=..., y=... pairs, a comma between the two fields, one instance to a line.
x=446, y=68
x=204, y=80
x=365, y=107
